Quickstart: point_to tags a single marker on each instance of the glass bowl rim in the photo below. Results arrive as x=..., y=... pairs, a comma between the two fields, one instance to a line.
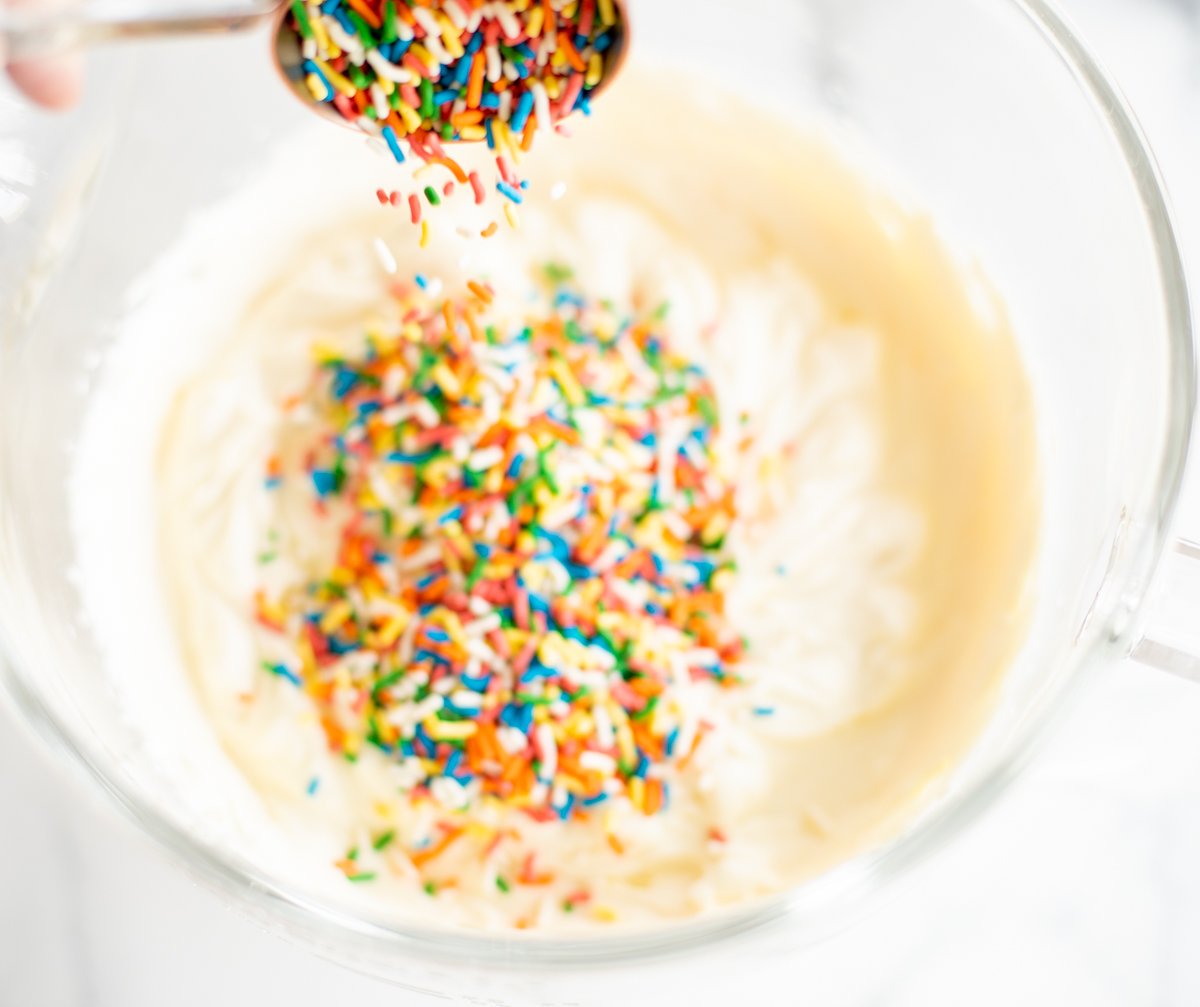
x=325, y=928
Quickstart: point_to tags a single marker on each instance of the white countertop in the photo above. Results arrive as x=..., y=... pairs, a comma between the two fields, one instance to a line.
x=1081, y=886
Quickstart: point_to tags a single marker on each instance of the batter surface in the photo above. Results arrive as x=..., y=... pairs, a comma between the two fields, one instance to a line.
x=875, y=425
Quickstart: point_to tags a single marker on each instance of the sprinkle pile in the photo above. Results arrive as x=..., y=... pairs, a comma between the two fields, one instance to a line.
x=419, y=73
x=530, y=570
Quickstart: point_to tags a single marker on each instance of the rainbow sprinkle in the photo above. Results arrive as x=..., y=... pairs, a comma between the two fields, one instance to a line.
x=420, y=73
x=531, y=568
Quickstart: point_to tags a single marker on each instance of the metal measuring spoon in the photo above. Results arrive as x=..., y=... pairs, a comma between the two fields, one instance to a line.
x=291, y=61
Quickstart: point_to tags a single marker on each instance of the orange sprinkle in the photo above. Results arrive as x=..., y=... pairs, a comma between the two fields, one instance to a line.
x=572, y=54
x=366, y=13
x=480, y=291
x=452, y=166
x=475, y=82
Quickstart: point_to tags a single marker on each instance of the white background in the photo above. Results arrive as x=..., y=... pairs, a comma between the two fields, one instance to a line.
x=1082, y=886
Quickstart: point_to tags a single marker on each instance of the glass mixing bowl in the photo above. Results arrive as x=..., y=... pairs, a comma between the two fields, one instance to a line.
x=987, y=113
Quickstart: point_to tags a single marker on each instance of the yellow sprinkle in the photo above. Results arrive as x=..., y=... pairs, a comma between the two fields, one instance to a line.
x=446, y=730
x=450, y=37
x=424, y=233
x=566, y=381
x=423, y=54
x=604, y=914
x=608, y=16
x=315, y=87
x=409, y=116
x=335, y=617
x=595, y=70
x=536, y=19
x=511, y=216
x=473, y=133
x=392, y=629
x=637, y=792
x=335, y=78
x=324, y=43
x=447, y=381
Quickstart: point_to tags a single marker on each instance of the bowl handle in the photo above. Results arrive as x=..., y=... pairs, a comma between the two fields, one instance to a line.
x=1171, y=634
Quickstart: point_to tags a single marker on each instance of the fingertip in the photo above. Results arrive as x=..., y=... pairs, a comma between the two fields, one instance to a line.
x=54, y=82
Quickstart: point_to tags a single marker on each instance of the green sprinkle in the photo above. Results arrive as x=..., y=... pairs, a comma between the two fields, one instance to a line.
x=363, y=29
x=646, y=710
x=432, y=195
x=476, y=574
x=389, y=33
x=430, y=888
x=301, y=16
x=384, y=841
x=502, y=884
x=366, y=876
x=427, y=107
x=352, y=854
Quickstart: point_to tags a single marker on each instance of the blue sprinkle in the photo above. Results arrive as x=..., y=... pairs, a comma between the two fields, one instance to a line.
x=521, y=113
x=517, y=716
x=423, y=743
x=311, y=67
x=437, y=635
x=393, y=143
x=312, y=786
x=454, y=762
x=283, y=671
x=509, y=191
x=474, y=45
x=565, y=811
x=591, y=802
x=453, y=514
x=429, y=655
x=490, y=101
x=445, y=97
x=479, y=684
x=603, y=42
x=421, y=281
x=671, y=742
x=274, y=482
x=329, y=6
x=343, y=382
x=322, y=481
x=558, y=545
x=764, y=711
x=410, y=459
x=487, y=128
x=462, y=72
x=643, y=766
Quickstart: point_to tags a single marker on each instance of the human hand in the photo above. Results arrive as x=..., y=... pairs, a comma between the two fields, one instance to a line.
x=50, y=81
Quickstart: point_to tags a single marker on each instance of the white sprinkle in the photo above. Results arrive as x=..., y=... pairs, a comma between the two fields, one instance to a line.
x=386, y=258
x=598, y=762
x=547, y=752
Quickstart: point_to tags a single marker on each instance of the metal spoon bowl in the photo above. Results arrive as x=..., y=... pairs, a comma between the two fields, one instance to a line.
x=289, y=61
